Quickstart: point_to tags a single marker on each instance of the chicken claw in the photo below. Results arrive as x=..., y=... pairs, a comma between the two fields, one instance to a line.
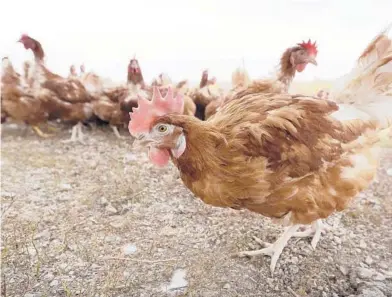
x=40, y=133
x=273, y=250
x=315, y=230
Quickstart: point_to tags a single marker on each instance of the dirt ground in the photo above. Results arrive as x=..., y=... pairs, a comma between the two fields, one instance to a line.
x=100, y=220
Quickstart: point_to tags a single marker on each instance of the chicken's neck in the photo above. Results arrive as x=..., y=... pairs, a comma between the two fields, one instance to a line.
x=287, y=70
x=135, y=78
x=203, y=143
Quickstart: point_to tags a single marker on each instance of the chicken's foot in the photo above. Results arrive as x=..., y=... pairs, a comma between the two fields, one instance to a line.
x=273, y=250
x=77, y=134
x=40, y=133
x=315, y=230
x=115, y=130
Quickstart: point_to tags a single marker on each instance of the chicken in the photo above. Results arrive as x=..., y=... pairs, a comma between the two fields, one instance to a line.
x=93, y=82
x=17, y=103
x=294, y=59
x=292, y=158
x=72, y=72
x=65, y=99
x=207, y=92
x=114, y=104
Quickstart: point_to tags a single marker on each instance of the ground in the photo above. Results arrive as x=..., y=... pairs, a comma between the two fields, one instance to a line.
x=100, y=220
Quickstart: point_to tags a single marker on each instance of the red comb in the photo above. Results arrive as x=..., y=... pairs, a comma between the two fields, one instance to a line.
x=147, y=111
x=309, y=46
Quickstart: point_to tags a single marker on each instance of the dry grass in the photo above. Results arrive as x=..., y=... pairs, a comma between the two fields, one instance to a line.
x=69, y=209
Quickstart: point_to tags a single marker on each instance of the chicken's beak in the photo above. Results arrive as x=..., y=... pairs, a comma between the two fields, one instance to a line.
x=313, y=60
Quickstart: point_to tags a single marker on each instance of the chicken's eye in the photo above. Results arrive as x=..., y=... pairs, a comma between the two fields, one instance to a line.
x=162, y=128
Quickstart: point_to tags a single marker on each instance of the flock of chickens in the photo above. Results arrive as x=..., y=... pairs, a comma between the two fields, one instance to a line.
x=293, y=158
x=39, y=96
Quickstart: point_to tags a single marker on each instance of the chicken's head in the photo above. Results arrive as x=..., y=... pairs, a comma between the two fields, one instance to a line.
x=27, y=42
x=150, y=129
x=133, y=66
x=72, y=70
x=303, y=54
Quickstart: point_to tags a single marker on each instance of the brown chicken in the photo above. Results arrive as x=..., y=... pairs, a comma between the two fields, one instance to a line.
x=63, y=98
x=293, y=59
x=17, y=103
x=288, y=157
x=114, y=104
x=207, y=92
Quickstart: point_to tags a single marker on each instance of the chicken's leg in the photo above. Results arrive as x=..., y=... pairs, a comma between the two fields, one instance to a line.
x=80, y=133
x=315, y=230
x=274, y=250
x=73, y=135
x=115, y=130
x=40, y=133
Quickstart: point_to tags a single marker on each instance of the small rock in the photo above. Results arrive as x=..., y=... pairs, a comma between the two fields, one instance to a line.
x=116, y=224
x=110, y=208
x=126, y=274
x=65, y=187
x=344, y=270
x=226, y=286
x=337, y=240
x=379, y=277
x=103, y=201
x=130, y=157
x=43, y=234
x=383, y=266
x=54, y=283
x=389, y=171
x=362, y=244
x=365, y=273
x=294, y=260
x=178, y=280
x=368, y=260
x=129, y=249
x=388, y=274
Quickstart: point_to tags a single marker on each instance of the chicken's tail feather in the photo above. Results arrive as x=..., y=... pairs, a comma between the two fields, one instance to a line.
x=367, y=90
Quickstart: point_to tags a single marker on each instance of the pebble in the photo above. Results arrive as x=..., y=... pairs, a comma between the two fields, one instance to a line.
x=389, y=171
x=65, y=187
x=178, y=280
x=110, y=208
x=54, y=283
x=226, y=286
x=337, y=240
x=365, y=273
x=362, y=244
x=129, y=249
x=104, y=201
x=368, y=260
x=383, y=266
